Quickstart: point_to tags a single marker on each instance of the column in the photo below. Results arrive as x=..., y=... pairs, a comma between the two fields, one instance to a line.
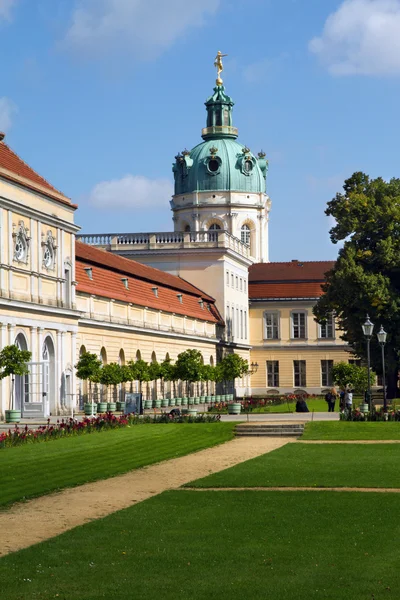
x=59, y=371
x=73, y=273
x=11, y=334
x=10, y=251
x=3, y=383
x=73, y=399
x=34, y=346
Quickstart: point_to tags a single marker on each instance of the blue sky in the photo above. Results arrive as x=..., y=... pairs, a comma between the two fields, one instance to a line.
x=99, y=95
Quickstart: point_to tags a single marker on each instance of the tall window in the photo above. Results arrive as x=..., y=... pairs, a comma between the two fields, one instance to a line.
x=327, y=329
x=227, y=278
x=272, y=373
x=271, y=329
x=228, y=321
x=237, y=282
x=232, y=280
x=237, y=322
x=241, y=324
x=245, y=234
x=299, y=325
x=214, y=227
x=245, y=324
x=299, y=370
x=326, y=372
x=233, y=323
x=244, y=285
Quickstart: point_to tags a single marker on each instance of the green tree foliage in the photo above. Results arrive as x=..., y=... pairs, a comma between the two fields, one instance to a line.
x=140, y=372
x=189, y=366
x=110, y=375
x=345, y=375
x=13, y=361
x=88, y=369
x=233, y=367
x=366, y=276
x=208, y=374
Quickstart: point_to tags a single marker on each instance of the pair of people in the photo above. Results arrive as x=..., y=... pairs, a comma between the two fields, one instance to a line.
x=330, y=397
x=346, y=399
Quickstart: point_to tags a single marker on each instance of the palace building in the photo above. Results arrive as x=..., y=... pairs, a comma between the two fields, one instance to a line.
x=207, y=284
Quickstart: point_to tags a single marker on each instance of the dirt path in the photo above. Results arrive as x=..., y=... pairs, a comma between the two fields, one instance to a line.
x=295, y=489
x=40, y=519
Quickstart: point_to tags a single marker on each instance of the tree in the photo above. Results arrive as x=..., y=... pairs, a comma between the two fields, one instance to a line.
x=166, y=373
x=188, y=366
x=13, y=361
x=233, y=367
x=110, y=375
x=140, y=372
x=88, y=369
x=208, y=374
x=366, y=276
x=154, y=374
x=345, y=374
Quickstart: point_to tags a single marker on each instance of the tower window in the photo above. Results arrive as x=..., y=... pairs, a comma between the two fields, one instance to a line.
x=213, y=165
x=245, y=234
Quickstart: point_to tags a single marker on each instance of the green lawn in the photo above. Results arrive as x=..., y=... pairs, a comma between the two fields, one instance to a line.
x=314, y=404
x=221, y=546
x=343, y=430
x=319, y=465
x=37, y=469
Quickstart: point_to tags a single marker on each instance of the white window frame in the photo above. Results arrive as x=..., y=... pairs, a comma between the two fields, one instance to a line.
x=272, y=370
x=300, y=371
x=293, y=326
x=276, y=326
x=323, y=329
x=326, y=373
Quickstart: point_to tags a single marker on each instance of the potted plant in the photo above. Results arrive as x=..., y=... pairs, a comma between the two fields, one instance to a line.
x=140, y=368
x=13, y=361
x=188, y=366
x=88, y=369
x=110, y=377
x=232, y=367
x=126, y=375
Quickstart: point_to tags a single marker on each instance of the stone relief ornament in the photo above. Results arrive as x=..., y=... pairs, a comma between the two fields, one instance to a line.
x=21, y=242
x=49, y=247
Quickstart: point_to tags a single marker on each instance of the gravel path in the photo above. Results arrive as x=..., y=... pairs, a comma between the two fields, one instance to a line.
x=37, y=520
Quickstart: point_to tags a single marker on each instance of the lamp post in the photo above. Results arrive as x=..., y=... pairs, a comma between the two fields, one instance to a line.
x=381, y=335
x=253, y=368
x=368, y=329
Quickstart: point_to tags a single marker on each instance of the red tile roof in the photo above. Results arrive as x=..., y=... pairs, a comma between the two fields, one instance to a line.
x=295, y=279
x=109, y=269
x=12, y=167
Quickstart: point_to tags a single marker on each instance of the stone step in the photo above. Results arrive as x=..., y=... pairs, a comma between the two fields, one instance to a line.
x=271, y=430
x=290, y=433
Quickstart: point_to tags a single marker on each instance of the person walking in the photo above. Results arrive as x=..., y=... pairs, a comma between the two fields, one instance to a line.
x=348, y=399
x=330, y=397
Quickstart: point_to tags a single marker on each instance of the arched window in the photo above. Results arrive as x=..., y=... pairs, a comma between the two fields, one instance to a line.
x=121, y=357
x=245, y=234
x=214, y=227
x=153, y=357
x=212, y=361
x=187, y=228
x=49, y=376
x=138, y=355
x=21, y=383
x=103, y=356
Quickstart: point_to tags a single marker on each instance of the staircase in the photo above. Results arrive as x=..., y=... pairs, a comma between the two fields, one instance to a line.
x=269, y=430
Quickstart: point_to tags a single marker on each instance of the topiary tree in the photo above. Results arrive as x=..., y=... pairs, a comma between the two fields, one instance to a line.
x=154, y=373
x=13, y=361
x=110, y=375
x=189, y=367
x=233, y=367
x=88, y=369
x=166, y=373
x=208, y=375
x=140, y=372
x=345, y=374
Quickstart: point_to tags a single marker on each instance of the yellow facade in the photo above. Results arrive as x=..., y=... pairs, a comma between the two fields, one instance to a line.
x=312, y=350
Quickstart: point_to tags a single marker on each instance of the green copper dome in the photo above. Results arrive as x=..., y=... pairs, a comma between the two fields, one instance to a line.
x=220, y=163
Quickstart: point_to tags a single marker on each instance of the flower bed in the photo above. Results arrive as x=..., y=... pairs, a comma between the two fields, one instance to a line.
x=375, y=415
x=71, y=427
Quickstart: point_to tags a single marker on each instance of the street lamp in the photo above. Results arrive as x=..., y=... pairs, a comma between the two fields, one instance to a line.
x=368, y=329
x=253, y=368
x=381, y=335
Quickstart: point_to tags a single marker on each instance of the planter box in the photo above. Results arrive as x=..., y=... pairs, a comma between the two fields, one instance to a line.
x=234, y=408
x=111, y=406
x=121, y=406
x=202, y=399
x=190, y=401
x=197, y=400
x=172, y=402
x=192, y=412
x=102, y=407
x=89, y=408
x=208, y=399
x=148, y=404
x=156, y=403
x=178, y=401
x=164, y=402
x=13, y=416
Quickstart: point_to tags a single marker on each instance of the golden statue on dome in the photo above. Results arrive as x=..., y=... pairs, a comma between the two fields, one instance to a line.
x=219, y=66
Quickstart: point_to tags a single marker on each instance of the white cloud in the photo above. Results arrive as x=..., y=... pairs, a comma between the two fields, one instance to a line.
x=361, y=37
x=7, y=111
x=131, y=192
x=5, y=8
x=144, y=28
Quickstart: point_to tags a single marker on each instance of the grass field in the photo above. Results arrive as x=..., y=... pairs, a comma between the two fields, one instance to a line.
x=319, y=465
x=221, y=546
x=343, y=430
x=37, y=469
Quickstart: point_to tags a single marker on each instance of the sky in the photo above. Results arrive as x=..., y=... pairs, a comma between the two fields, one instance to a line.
x=100, y=95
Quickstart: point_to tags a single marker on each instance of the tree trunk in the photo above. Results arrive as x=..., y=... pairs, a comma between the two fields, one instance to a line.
x=392, y=377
